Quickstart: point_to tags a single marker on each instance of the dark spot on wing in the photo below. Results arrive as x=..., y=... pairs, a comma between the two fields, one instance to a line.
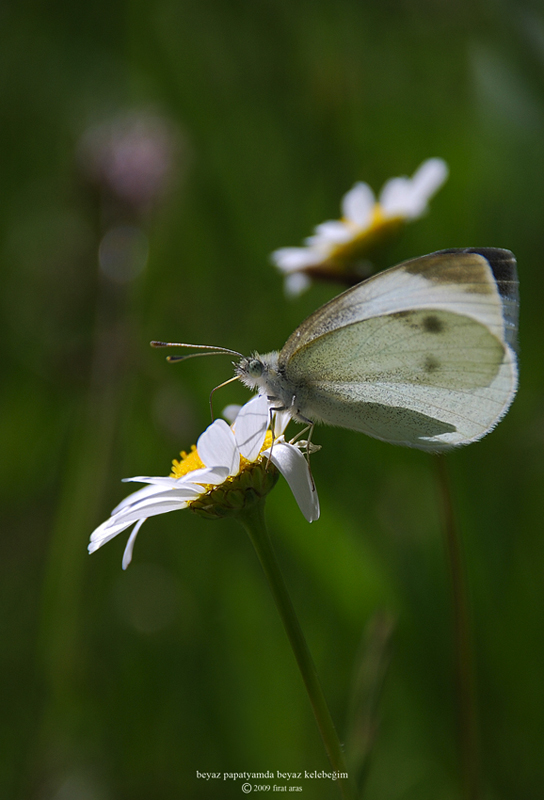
x=433, y=324
x=431, y=364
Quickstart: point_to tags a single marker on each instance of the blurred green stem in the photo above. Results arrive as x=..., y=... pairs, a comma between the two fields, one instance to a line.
x=253, y=521
x=464, y=662
x=371, y=667
x=60, y=639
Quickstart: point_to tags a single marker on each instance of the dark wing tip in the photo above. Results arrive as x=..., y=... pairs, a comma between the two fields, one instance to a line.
x=503, y=265
x=504, y=269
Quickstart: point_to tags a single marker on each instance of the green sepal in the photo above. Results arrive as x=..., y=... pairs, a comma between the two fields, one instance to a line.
x=238, y=493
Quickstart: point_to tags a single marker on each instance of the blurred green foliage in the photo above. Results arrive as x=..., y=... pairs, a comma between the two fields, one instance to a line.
x=122, y=685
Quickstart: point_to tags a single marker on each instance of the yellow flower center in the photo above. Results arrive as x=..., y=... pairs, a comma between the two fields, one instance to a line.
x=364, y=240
x=244, y=463
x=187, y=463
x=378, y=217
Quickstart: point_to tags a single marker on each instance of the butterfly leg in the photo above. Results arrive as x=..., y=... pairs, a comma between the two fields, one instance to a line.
x=310, y=429
x=308, y=445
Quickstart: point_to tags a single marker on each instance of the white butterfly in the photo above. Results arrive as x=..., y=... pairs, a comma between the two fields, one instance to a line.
x=422, y=354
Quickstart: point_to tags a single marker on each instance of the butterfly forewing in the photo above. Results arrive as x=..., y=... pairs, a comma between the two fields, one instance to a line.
x=461, y=281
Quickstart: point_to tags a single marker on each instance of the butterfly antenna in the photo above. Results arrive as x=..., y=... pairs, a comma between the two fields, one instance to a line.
x=230, y=380
x=209, y=350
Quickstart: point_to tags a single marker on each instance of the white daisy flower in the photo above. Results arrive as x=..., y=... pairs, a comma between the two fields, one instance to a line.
x=365, y=223
x=227, y=469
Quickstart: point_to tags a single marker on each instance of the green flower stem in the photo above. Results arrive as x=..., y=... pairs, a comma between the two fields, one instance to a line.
x=252, y=519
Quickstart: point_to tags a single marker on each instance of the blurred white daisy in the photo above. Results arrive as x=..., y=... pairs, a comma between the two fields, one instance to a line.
x=226, y=470
x=366, y=222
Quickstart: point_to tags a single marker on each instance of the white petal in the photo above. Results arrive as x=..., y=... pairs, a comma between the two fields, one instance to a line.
x=331, y=232
x=251, y=425
x=294, y=467
x=217, y=447
x=105, y=532
x=160, y=481
x=199, y=475
x=179, y=488
x=152, y=509
x=163, y=495
x=127, y=555
x=295, y=284
x=289, y=259
x=213, y=475
x=426, y=181
x=185, y=491
x=396, y=197
x=281, y=419
x=358, y=204
x=429, y=176
x=135, y=497
x=408, y=197
x=231, y=411
x=143, y=504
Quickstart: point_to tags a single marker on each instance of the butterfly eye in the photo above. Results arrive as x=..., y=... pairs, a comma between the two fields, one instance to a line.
x=255, y=368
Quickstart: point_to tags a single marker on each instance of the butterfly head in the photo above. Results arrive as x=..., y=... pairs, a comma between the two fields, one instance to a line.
x=256, y=371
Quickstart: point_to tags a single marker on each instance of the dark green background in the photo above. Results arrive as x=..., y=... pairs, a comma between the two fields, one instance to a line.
x=119, y=686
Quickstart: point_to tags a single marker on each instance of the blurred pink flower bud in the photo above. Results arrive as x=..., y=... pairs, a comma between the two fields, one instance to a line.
x=131, y=157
